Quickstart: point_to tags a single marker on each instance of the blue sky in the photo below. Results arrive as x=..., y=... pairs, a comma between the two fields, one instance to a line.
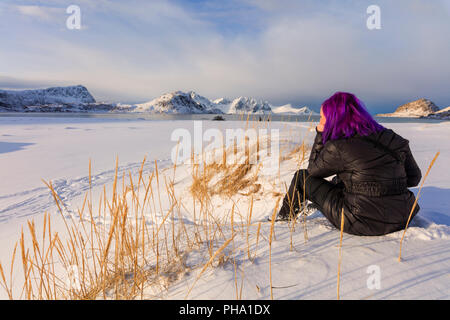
x=283, y=51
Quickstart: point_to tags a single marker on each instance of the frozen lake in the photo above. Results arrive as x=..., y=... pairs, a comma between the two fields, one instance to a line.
x=170, y=117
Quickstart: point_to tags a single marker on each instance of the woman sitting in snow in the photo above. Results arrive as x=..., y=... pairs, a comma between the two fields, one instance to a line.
x=373, y=166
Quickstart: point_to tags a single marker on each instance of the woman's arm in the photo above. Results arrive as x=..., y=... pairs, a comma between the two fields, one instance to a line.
x=413, y=172
x=324, y=161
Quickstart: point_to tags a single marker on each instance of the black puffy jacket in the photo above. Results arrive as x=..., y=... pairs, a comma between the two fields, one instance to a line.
x=376, y=171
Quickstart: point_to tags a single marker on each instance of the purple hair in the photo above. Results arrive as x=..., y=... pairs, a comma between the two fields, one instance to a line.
x=345, y=116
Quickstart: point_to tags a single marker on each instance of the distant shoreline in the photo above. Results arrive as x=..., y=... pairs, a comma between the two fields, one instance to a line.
x=208, y=117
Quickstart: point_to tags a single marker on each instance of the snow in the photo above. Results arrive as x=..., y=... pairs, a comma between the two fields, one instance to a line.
x=403, y=114
x=59, y=149
x=249, y=105
x=222, y=101
x=287, y=109
x=444, y=110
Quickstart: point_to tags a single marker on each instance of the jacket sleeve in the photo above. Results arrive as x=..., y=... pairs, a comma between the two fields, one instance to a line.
x=324, y=160
x=413, y=172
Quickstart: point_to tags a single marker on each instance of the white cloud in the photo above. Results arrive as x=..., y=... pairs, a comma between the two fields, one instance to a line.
x=39, y=12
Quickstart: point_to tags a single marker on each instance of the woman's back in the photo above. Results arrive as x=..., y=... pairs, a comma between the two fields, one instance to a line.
x=376, y=171
x=376, y=163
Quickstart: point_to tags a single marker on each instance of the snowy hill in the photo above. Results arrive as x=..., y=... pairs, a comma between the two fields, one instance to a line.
x=443, y=114
x=12, y=100
x=289, y=110
x=418, y=108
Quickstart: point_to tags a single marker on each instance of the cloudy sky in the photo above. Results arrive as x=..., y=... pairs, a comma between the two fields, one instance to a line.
x=283, y=51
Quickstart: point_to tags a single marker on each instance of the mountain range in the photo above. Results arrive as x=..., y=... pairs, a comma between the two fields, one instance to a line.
x=190, y=102
x=78, y=99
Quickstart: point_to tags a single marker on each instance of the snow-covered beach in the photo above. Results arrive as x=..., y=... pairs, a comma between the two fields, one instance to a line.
x=59, y=149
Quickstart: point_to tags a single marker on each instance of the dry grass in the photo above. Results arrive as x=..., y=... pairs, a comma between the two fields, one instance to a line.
x=274, y=214
x=340, y=253
x=209, y=263
x=224, y=178
x=117, y=259
x=232, y=179
x=415, y=204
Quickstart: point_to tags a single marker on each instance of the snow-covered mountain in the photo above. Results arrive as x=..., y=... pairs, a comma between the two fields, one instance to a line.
x=201, y=99
x=287, y=109
x=249, y=105
x=177, y=102
x=418, y=108
x=56, y=97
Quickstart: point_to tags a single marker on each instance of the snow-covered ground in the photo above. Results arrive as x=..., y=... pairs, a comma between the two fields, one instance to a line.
x=59, y=149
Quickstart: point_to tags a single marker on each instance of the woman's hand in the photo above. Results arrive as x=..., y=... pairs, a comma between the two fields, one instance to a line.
x=321, y=124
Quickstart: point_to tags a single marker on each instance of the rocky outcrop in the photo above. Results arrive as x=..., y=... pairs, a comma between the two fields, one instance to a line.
x=415, y=109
